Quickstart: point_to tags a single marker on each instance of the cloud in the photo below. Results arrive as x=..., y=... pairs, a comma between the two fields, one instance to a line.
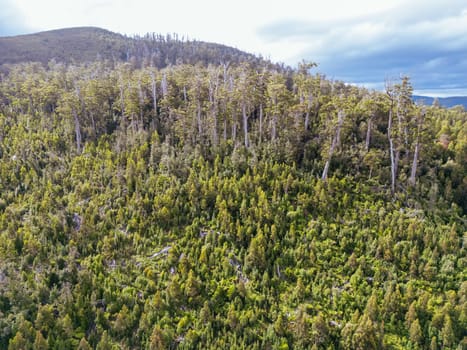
x=11, y=19
x=426, y=40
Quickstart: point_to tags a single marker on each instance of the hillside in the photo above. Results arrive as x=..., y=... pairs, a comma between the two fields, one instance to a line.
x=88, y=44
x=214, y=207
x=63, y=45
x=446, y=102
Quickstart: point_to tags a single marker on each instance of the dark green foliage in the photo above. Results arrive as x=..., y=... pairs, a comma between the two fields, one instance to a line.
x=133, y=222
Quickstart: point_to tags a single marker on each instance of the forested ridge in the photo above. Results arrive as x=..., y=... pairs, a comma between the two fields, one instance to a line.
x=87, y=44
x=227, y=206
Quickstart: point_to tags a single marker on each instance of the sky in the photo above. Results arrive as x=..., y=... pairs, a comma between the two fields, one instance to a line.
x=362, y=42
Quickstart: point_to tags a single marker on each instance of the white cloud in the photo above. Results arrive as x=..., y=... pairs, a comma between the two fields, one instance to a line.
x=233, y=23
x=425, y=39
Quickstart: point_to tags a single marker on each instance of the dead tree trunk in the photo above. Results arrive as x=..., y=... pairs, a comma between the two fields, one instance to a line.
x=334, y=143
x=154, y=93
x=260, y=123
x=198, y=118
x=307, y=120
x=368, y=133
x=213, y=109
x=141, y=98
x=154, y=123
x=274, y=127
x=225, y=128
x=77, y=130
x=164, y=87
x=413, y=172
x=394, y=160
x=307, y=115
x=122, y=99
x=234, y=131
x=245, y=124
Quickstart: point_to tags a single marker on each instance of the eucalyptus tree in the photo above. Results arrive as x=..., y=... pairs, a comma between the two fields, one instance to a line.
x=197, y=92
x=246, y=79
x=401, y=112
x=261, y=94
x=307, y=90
x=336, y=113
x=99, y=92
x=278, y=101
x=70, y=105
x=216, y=98
x=153, y=73
x=393, y=151
x=368, y=108
x=404, y=109
x=420, y=117
x=123, y=72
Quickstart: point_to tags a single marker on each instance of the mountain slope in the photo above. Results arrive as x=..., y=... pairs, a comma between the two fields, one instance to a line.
x=184, y=208
x=447, y=102
x=86, y=44
x=80, y=44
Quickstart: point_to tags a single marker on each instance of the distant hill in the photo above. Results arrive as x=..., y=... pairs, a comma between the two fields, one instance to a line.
x=447, y=102
x=87, y=44
x=64, y=45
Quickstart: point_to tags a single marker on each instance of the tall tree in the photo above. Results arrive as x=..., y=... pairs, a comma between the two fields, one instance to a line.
x=421, y=112
x=307, y=89
x=337, y=111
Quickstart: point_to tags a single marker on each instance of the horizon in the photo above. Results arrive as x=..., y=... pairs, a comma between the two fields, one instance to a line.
x=361, y=43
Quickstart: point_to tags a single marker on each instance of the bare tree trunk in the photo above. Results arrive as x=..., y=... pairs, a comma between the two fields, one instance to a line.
x=94, y=129
x=198, y=118
x=31, y=106
x=368, y=133
x=234, y=131
x=141, y=102
x=132, y=116
x=391, y=153
x=334, y=143
x=224, y=116
x=76, y=119
x=307, y=120
x=260, y=123
x=225, y=128
x=154, y=93
x=154, y=123
x=413, y=173
x=402, y=128
x=340, y=121
x=164, y=86
x=324, y=176
x=122, y=99
x=215, y=137
x=77, y=131
x=307, y=115
x=245, y=125
x=274, y=128
x=213, y=107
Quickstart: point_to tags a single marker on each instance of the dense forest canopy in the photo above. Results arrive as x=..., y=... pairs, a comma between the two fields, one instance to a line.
x=232, y=205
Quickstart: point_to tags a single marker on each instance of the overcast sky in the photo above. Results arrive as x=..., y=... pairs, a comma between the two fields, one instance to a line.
x=358, y=41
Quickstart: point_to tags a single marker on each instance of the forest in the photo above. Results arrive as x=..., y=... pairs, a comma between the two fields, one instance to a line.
x=227, y=206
